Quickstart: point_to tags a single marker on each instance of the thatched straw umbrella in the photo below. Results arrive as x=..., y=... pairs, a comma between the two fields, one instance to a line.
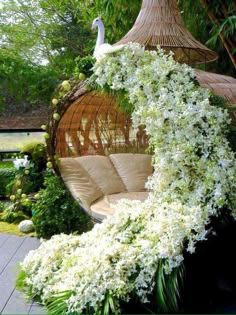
x=160, y=23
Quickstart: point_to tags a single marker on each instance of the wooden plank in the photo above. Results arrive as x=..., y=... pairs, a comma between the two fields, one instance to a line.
x=3, y=238
x=17, y=304
x=12, y=301
x=37, y=309
x=8, y=250
x=7, y=276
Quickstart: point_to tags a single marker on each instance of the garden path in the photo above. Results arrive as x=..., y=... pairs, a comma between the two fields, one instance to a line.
x=13, y=249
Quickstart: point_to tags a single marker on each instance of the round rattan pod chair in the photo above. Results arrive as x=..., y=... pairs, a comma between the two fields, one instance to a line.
x=88, y=123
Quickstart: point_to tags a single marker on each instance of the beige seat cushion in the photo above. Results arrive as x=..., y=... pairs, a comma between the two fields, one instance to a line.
x=102, y=207
x=102, y=171
x=133, y=169
x=79, y=182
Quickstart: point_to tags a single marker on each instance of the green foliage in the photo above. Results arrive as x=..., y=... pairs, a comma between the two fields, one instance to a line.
x=45, y=31
x=168, y=288
x=56, y=212
x=41, y=42
x=58, y=304
x=23, y=85
x=57, y=32
x=84, y=65
x=29, y=181
x=10, y=215
x=122, y=101
x=6, y=175
x=117, y=15
x=207, y=32
x=217, y=101
x=21, y=283
x=6, y=164
x=18, y=209
x=2, y=206
x=228, y=26
x=23, y=182
x=110, y=305
x=37, y=154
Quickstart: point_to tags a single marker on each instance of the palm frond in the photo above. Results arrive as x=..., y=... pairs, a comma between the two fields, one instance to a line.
x=57, y=304
x=110, y=304
x=168, y=288
x=21, y=278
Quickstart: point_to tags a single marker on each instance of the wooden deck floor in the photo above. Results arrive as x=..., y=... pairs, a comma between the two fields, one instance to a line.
x=13, y=249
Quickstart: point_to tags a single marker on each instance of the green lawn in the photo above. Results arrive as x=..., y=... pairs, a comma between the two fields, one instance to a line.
x=12, y=229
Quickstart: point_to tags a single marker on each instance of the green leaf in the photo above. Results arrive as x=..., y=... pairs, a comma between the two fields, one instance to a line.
x=57, y=304
x=168, y=288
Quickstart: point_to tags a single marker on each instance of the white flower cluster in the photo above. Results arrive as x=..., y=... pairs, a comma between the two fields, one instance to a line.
x=192, y=159
x=120, y=255
x=193, y=177
x=22, y=163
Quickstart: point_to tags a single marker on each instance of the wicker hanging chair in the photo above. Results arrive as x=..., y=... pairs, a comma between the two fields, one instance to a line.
x=94, y=125
x=91, y=123
x=160, y=23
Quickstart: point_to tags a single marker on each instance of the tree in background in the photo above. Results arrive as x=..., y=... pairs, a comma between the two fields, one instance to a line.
x=223, y=17
x=43, y=32
x=45, y=37
x=213, y=23
x=39, y=41
x=22, y=84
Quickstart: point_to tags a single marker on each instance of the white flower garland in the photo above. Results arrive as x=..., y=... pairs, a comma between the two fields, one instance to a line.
x=194, y=175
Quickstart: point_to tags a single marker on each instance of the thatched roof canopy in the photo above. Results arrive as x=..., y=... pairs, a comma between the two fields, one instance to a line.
x=160, y=23
x=221, y=85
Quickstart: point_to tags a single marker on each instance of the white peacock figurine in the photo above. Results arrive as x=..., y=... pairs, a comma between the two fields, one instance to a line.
x=102, y=48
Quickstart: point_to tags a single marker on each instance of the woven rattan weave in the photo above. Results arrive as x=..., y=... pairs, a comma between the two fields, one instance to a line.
x=160, y=23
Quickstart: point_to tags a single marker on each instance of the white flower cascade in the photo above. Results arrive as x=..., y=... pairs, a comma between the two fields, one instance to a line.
x=193, y=177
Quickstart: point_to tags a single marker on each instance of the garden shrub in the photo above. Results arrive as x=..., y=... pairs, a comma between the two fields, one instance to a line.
x=56, y=212
x=1, y=206
x=37, y=154
x=6, y=175
x=10, y=216
x=25, y=180
x=28, y=182
x=30, y=179
x=17, y=209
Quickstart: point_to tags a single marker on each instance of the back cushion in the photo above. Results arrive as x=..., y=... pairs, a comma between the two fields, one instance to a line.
x=133, y=169
x=79, y=182
x=103, y=173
